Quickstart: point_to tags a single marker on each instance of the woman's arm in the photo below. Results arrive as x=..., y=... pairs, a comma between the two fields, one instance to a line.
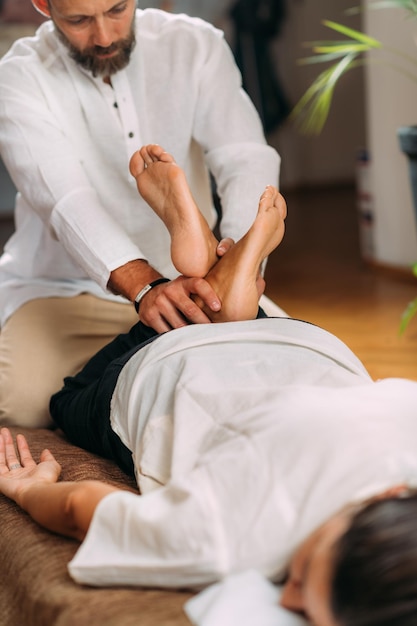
x=66, y=508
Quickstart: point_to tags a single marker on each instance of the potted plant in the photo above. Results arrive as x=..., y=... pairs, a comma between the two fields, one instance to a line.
x=341, y=56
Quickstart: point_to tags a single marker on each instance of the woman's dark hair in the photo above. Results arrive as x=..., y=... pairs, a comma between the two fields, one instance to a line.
x=375, y=566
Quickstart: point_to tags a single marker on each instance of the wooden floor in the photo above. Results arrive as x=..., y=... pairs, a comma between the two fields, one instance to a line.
x=317, y=274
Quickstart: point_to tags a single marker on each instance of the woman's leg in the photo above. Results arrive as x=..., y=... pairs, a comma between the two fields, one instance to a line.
x=234, y=276
x=162, y=183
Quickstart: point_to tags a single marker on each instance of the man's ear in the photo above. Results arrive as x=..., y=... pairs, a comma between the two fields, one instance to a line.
x=42, y=6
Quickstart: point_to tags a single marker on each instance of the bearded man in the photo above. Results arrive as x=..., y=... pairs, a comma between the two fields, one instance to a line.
x=99, y=79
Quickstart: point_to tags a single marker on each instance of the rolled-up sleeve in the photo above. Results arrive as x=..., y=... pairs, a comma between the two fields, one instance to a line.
x=46, y=165
x=230, y=130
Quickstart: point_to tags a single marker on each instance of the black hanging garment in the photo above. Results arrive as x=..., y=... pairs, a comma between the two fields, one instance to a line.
x=257, y=23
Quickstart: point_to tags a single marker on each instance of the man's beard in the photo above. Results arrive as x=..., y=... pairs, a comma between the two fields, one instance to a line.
x=102, y=67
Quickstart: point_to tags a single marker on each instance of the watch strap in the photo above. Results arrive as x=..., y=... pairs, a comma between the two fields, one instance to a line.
x=147, y=288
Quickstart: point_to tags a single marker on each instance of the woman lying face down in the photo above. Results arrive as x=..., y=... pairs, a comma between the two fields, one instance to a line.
x=358, y=568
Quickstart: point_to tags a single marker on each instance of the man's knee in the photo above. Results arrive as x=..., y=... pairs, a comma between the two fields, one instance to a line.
x=46, y=340
x=26, y=385
x=24, y=405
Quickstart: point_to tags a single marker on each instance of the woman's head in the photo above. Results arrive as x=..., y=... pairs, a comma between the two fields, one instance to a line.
x=374, y=581
x=360, y=567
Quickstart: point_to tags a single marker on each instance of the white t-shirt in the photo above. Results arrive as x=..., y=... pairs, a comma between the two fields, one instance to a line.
x=67, y=148
x=246, y=437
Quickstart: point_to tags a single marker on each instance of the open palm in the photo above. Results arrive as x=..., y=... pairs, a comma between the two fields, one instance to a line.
x=19, y=471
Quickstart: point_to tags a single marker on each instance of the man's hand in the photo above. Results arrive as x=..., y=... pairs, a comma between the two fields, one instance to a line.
x=224, y=246
x=171, y=305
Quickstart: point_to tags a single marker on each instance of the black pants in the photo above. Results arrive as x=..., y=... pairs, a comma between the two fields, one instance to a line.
x=82, y=407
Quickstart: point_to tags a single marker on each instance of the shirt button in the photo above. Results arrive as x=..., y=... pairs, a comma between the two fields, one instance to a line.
x=131, y=135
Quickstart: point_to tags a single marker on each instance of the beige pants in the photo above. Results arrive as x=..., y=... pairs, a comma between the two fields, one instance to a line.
x=46, y=340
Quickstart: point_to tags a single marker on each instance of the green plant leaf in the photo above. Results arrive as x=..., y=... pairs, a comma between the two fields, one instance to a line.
x=342, y=48
x=354, y=34
x=321, y=58
x=408, y=5
x=312, y=110
x=408, y=315
x=411, y=309
x=313, y=107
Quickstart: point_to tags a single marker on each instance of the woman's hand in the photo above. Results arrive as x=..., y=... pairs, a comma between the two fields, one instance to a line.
x=63, y=507
x=18, y=470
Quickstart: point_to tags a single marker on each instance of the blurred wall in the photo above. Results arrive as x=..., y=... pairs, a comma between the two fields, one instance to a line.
x=329, y=158
x=391, y=103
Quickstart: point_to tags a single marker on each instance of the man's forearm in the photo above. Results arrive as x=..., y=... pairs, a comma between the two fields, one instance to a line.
x=130, y=278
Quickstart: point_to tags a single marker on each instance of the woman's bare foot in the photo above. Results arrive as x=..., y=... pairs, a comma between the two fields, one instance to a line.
x=234, y=277
x=162, y=183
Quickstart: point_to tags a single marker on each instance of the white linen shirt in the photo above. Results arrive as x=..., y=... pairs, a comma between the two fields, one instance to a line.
x=66, y=139
x=245, y=437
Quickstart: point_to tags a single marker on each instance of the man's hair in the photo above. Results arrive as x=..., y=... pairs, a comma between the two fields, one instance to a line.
x=375, y=566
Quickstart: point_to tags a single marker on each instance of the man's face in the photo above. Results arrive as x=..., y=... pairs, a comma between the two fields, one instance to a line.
x=99, y=34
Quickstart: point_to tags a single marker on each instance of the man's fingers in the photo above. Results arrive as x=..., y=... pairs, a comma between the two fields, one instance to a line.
x=205, y=292
x=224, y=245
x=170, y=305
